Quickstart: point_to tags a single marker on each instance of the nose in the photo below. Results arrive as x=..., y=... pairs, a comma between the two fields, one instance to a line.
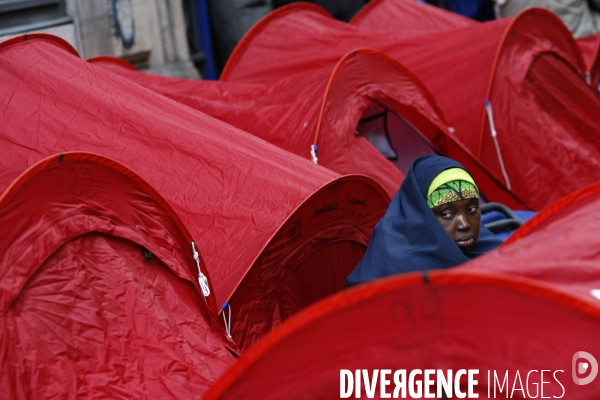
x=462, y=222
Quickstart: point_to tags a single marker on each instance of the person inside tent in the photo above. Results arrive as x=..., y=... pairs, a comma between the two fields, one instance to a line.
x=433, y=222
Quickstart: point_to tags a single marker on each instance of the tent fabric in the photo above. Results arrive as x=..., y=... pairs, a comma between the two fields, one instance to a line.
x=42, y=37
x=321, y=108
x=116, y=64
x=302, y=103
x=388, y=15
x=99, y=289
x=559, y=210
x=331, y=230
x=265, y=22
x=74, y=176
x=587, y=46
x=529, y=305
x=515, y=64
x=590, y=49
x=232, y=190
x=162, y=139
x=454, y=321
x=348, y=95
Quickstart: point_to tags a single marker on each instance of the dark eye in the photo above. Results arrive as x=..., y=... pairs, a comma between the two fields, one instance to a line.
x=473, y=209
x=447, y=214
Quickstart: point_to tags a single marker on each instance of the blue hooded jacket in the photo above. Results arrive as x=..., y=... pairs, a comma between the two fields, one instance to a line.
x=409, y=237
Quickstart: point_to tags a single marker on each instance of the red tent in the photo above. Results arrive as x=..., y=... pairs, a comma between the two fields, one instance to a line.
x=367, y=96
x=391, y=15
x=528, y=69
x=324, y=108
x=248, y=204
x=499, y=325
x=98, y=287
x=532, y=305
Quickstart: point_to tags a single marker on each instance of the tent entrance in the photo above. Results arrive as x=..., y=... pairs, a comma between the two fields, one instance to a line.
x=396, y=138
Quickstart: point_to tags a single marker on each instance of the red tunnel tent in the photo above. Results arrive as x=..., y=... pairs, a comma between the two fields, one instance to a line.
x=528, y=306
x=456, y=321
x=323, y=108
x=391, y=15
x=399, y=116
x=528, y=68
x=236, y=193
x=99, y=289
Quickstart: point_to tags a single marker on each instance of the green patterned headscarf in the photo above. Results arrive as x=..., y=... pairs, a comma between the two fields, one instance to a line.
x=450, y=185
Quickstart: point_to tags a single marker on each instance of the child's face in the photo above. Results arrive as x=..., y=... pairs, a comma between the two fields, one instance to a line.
x=461, y=219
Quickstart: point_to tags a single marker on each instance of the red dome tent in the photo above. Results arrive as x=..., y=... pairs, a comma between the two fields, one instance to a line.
x=391, y=15
x=455, y=321
x=529, y=306
x=322, y=108
x=99, y=290
x=528, y=69
x=244, y=201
